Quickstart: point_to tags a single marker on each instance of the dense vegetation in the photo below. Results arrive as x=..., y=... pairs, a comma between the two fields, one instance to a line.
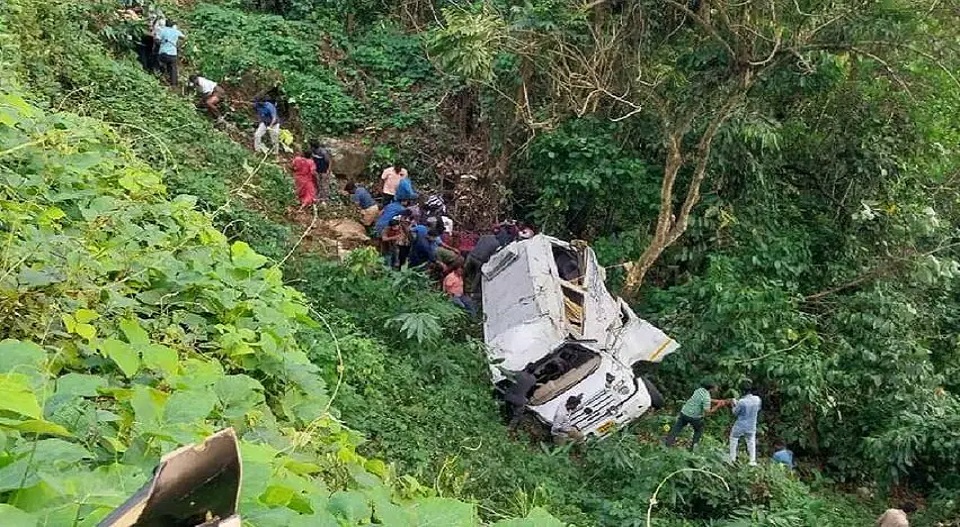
x=819, y=262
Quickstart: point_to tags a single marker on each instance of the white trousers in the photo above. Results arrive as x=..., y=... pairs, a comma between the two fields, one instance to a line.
x=274, y=136
x=751, y=445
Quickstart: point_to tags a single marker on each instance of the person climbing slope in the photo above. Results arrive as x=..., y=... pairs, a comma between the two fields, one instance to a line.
x=896, y=517
x=269, y=121
x=391, y=177
x=210, y=94
x=693, y=413
x=168, y=37
x=303, y=178
x=363, y=199
x=746, y=410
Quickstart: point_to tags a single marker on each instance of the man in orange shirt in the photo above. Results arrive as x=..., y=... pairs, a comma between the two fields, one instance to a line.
x=391, y=177
x=453, y=286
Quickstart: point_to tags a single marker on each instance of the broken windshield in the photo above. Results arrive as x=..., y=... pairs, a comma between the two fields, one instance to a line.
x=564, y=368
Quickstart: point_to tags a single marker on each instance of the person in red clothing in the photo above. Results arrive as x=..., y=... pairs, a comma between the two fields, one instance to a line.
x=303, y=172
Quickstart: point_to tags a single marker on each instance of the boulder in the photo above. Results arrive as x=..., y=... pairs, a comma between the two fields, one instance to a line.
x=349, y=159
x=348, y=233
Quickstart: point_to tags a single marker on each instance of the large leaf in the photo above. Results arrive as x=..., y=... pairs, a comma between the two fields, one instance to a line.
x=189, y=406
x=17, y=396
x=134, y=332
x=245, y=257
x=444, y=512
x=121, y=353
x=238, y=395
x=160, y=358
x=537, y=518
x=351, y=506
x=11, y=516
x=15, y=355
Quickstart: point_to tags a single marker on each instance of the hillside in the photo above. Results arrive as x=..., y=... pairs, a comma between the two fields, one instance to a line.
x=156, y=286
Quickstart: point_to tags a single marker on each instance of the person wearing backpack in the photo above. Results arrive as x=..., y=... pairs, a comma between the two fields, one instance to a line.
x=321, y=158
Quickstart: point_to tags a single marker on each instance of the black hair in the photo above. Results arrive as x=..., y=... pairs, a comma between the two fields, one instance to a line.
x=314, y=144
x=747, y=387
x=306, y=153
x=194, y=77
x=908, y=507
x=397, y=165
x=350, y=186
x=709, y=384
x=171, y=22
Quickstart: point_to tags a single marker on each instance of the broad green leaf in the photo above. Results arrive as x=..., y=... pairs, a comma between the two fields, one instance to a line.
x=11, y=516
x=351, y=506
x=21, y=473
x=245, y=257
x=444, y=512
x=15, y=354
x=86, y=331
x=238, y=395
x=85, y=316
x=136, y=335
x=277, y=496
x=122, y=354
x=160, y=358
x=196, y=372
x=55, y=452
x=17, y=396
x=148, y=405
x=80, y=384
x=35, y=426
x=189, y=406
x=537, y=518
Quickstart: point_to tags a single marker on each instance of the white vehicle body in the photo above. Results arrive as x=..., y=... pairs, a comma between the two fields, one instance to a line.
x=546, y=306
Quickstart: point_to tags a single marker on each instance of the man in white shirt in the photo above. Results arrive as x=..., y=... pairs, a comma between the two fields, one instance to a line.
x=210, y=94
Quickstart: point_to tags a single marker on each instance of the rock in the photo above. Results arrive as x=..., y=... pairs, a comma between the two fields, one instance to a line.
x=348, y=233
x=349, y=159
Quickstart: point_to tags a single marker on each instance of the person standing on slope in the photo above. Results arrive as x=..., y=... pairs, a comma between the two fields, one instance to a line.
x=391, y=177
x=321, y=158
x=168, y=37
x=269, y=121
x=693, y=413
x=303, y=179
x=746, y=409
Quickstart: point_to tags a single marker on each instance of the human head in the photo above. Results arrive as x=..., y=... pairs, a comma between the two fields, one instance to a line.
x=314, y=145
x=171, y=22
x=525, y=233
x=747, y=388
x=193, y=78
x=306, y=153
x=350, y=187
x=709, y=385
x=397, y=166
x=573, y=402
x=908, y=507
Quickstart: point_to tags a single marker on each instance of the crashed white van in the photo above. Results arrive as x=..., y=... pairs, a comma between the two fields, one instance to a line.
x=548, y=311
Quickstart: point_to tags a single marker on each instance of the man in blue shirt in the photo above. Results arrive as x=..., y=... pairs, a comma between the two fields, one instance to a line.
x=269, y=121
x=405, y=190
x=368, y=206
x=424, y=249
x=394, y=208
x=168, y=38
x=746, y=409
x=783, y=455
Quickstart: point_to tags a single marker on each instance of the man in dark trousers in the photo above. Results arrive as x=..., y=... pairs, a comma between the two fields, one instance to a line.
x=487, y=245
x=693, y=413
x=517, y=395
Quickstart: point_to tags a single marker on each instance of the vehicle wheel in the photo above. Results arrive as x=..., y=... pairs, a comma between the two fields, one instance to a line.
x=656, y=398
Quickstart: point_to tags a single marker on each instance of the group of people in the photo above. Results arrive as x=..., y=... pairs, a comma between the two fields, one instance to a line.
x=746, y=410
x=159, y=43
x=419, y=234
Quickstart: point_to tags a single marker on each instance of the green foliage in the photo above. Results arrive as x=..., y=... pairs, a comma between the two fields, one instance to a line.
x=469, y=42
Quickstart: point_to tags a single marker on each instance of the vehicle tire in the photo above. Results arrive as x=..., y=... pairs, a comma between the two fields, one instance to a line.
x=656, y=398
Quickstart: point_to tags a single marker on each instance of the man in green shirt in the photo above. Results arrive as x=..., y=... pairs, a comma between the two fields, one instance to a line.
x=693, y=412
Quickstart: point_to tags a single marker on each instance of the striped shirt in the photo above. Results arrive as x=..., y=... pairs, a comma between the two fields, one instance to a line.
x=697, y=405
